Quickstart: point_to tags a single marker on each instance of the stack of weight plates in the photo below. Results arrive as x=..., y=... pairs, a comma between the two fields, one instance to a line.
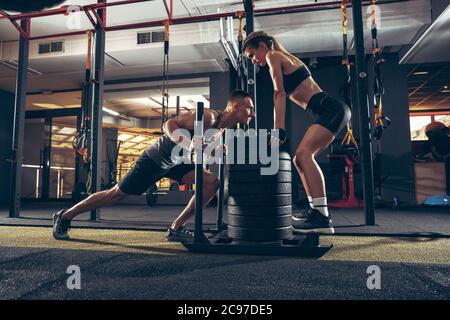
x=260, y=206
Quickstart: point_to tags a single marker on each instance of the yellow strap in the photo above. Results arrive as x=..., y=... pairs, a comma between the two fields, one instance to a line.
x=166, y=30
x=344, y=16
x=240, y=15
x=379, y=115
x=349, y=138
x=373, y=15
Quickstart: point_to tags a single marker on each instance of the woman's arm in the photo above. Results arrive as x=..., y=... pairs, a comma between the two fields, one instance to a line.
x=276, y=72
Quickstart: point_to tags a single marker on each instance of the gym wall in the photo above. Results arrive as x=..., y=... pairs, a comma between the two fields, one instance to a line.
x=6, y=128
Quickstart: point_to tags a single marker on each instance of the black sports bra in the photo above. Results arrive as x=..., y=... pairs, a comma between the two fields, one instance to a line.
x=292, y=80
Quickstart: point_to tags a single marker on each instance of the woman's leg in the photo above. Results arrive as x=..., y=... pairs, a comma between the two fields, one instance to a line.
x=316, y=139
x=304, y=183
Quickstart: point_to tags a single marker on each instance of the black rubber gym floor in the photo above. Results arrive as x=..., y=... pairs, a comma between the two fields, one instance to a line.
x=128, y=264
x=425, y=221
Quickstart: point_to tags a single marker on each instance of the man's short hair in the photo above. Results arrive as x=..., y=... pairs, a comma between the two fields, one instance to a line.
x=238, y=94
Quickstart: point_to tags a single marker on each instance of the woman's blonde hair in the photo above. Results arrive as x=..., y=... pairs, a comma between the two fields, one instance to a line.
x=256, y=37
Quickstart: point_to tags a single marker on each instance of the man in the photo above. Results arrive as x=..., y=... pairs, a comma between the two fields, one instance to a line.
x=157, y=162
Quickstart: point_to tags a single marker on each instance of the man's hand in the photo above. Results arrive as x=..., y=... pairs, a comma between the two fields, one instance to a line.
x=225, y=149
x=197, y=142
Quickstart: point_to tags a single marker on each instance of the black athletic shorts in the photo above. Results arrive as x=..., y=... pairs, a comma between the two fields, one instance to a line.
x=329, y=112
x=146, y=172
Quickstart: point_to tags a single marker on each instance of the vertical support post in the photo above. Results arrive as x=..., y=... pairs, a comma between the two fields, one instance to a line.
x=78, y=161
x=251, y=77
x=19, y=122
x=178, y=106
x=362, y=104
x=47, y=158
x=96, y=123
x=198, y=131
x=220, y=192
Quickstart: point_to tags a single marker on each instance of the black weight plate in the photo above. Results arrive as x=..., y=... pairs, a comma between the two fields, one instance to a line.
x=267, y=222
x=259, y=188
x=255, y=154
x=260, y=200
x=259, y=234
x=259, y=211
x=255, y=176
x=283, y=165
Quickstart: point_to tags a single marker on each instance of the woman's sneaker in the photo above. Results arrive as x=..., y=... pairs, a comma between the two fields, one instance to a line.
x=316, y=222
x=60, y=226
x=301, y=216
x=180, y=235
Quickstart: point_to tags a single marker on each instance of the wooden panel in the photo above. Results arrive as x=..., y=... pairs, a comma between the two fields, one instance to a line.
x=430, y=180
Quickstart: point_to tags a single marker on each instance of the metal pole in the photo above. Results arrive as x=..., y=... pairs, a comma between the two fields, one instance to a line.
x=178, y=106
x=47, y=158
x=19, y=120
x=362, y=104
x=96, y=123
x=220, y=192
x=198, y=131
x=251, y=71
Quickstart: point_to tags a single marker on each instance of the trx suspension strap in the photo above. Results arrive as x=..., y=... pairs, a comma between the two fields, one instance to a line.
x=80, y=142
x=240, y=63
x=381, y=121
x=349, y=142
x=165, y=90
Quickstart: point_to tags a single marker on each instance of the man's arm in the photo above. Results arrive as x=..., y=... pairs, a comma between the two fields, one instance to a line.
x=186, y=121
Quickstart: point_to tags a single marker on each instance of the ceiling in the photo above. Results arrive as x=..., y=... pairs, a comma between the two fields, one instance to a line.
x=427, y=85
x=433, y=45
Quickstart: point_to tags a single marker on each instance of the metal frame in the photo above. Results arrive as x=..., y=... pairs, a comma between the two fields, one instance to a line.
x=19, y=122
x=97, y=104
x=362, y=103
x=251, y=69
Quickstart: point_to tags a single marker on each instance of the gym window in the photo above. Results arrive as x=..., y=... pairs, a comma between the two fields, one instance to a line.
x=418, y=122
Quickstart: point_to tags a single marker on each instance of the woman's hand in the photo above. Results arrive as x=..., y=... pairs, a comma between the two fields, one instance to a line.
x=278, y=140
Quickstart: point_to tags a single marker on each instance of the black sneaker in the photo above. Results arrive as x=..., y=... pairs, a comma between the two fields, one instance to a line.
x=180, y=235
x=301, y=216
x=60, y=227
x=316, y=222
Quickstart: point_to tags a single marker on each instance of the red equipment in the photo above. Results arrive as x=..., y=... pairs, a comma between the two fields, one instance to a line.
x=348, y=199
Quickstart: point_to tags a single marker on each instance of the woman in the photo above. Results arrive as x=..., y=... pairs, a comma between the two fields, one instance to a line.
x=292, y=79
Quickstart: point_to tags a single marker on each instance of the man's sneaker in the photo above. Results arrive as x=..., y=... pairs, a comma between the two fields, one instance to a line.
x=60, y=226
x=316, y=222
x=301, y=216
x=180, y=235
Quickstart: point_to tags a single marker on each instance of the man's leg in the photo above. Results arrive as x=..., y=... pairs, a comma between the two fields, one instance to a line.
x=210, y=186
x=95, y=201
x=136, y=181
x=62, y=218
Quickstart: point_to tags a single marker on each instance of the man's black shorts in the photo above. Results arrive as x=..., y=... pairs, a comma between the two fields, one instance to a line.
x=146, y=172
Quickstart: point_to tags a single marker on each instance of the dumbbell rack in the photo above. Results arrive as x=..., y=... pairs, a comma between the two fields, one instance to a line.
x=307, y=245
